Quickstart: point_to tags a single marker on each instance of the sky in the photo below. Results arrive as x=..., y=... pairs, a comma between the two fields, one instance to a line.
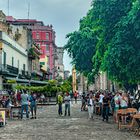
x=64, y=15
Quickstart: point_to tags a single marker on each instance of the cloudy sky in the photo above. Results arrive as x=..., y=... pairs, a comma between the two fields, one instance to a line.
x=64, y=15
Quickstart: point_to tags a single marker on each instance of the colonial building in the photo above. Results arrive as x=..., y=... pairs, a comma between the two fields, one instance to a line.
x=44, y=36
x=13, y=58
x=59, y=66
x=20, y=55
x=66, y=74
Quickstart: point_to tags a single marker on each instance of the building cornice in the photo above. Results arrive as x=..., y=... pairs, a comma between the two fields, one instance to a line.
x=14, y=46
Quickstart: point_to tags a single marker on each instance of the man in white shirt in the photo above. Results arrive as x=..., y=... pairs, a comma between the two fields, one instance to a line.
x=101, y=102
x=24, y=104
x=90, y=106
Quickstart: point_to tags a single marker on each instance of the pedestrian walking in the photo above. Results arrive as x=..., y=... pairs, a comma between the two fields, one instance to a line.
x=90, y=106
x=83, y=106
x=75, y=96
x=67, y=104
x=60, y=102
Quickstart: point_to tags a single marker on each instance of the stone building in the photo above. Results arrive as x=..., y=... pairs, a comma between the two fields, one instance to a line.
x=66, y=74
x=59, y=66
x=13, y=58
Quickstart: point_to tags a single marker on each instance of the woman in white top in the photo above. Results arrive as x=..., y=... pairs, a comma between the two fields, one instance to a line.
x=124, y=105
x=124, y=101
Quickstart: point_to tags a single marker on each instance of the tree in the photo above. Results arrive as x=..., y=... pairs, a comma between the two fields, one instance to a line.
x=122, y=60
x=108, y=39
x=107, y=14
x=81, y=45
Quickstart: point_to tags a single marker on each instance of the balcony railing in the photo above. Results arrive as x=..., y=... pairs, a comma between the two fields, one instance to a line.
x=8, y=69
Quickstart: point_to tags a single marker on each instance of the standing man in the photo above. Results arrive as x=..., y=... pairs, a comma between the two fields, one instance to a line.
x=24, y=103
x=105, y=110
x=33, y=105
x=60, y=102
x=101, y=96
x=67, y=104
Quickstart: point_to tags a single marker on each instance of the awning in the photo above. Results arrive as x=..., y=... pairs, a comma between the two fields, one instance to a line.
x=38, y=82
x=18, y=80
x=27, y=81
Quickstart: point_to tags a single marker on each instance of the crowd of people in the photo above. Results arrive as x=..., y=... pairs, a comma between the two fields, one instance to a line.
x=102, y=103
x=106, y=103
x=25, y=99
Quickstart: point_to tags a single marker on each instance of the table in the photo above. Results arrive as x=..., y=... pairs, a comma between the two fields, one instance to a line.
x=129, y=112
x=2, y=116
x=17, y=112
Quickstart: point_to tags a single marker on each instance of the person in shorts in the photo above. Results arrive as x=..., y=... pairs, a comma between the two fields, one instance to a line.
x=117, y=100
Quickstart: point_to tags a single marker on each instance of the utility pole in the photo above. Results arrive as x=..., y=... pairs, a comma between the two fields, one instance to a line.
x=28, y=13
x=8, y=7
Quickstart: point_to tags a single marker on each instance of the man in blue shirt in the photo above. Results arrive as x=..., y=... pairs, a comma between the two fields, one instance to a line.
x=33, y=105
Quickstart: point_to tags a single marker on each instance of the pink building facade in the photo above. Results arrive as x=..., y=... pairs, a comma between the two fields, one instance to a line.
x=44, y=36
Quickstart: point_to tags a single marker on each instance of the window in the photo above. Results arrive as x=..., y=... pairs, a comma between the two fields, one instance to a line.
x=48, y=60
x=24, y=67
x=4, y=58
x=18, y=64
x=47, y=47
x=47, y=36
x=42, y=63
x=12, y=61
x=37, y=35
x=38, y=45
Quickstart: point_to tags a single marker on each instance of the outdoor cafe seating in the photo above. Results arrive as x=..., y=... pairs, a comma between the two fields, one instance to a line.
x=134, y=119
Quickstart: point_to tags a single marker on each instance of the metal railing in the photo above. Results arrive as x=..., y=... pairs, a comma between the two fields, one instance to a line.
x=8, y=69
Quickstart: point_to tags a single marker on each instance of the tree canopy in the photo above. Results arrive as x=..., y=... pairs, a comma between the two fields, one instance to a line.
x=108, y=40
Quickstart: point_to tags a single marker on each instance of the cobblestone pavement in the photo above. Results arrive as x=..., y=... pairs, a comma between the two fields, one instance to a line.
x=50, y=126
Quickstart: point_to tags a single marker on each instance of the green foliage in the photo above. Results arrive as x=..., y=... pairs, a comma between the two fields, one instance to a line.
x=122, y=60
x=51, y=88
x=108, y=39
x=66, y=86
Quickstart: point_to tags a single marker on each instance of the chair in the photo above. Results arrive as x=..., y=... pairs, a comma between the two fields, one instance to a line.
x=129, y=112
x=136, y=117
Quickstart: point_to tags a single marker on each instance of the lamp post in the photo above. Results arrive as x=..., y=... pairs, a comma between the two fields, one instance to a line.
x=74, y=79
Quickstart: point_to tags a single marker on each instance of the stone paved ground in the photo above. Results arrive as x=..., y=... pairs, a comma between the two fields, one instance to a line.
x=49, y=126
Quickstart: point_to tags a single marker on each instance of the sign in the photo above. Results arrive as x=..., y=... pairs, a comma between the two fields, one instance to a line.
x=2, y=117
x=0, y=46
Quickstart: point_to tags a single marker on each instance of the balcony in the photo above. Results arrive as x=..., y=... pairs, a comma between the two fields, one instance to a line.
x=7, y=69
x=32, y=53
x=26, y=74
